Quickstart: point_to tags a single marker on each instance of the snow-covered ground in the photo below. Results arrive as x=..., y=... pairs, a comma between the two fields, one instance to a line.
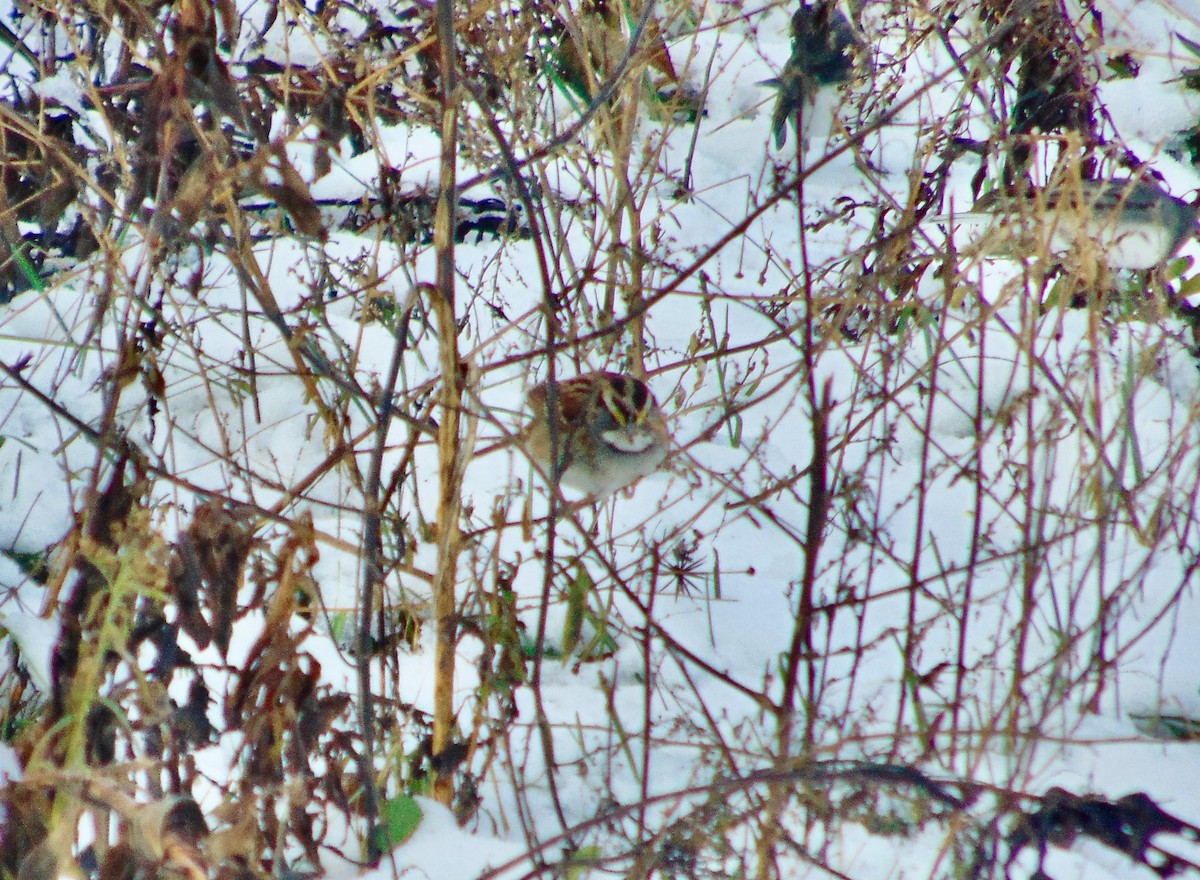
x=1000, y=590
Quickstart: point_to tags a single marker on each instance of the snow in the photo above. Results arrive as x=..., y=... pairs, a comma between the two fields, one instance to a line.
x=1003, y=474
x=440, y=850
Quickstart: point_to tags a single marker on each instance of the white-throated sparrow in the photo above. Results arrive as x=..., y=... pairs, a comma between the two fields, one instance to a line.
x=1134, y=223
x=608, y=431
x=823, y=48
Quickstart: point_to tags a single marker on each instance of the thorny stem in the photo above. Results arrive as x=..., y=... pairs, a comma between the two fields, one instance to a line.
x=787, y=775
x=801, y=652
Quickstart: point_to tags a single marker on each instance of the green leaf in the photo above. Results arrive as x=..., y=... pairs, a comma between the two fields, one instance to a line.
x=1189, y=286
x=398, y=819
x=1059, y=295
x=577, y=595
x=581, y=861
x=339, y=624
x=1123, y=66
x=735, y=433
x=529, y=649
x=28, y=269
x=1177, y=267
x=1167, y=727
x=33, y=564
x=602, y=644
x=716, y=575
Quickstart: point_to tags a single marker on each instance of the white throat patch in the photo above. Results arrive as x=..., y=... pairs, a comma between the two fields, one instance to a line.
x=630, y=444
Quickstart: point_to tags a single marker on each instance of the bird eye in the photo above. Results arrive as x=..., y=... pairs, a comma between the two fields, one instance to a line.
x=640, y=396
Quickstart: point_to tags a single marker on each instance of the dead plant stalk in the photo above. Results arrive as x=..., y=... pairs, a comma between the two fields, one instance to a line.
x=450, y=447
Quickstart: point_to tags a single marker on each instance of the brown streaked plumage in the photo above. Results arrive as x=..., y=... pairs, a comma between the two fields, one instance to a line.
x=1132, y=223
x=610, y=431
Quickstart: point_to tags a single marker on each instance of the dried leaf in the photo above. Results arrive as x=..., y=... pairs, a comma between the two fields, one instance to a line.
x=40, y=864
x=291, y=193
x=230, y=21
x=120, y=863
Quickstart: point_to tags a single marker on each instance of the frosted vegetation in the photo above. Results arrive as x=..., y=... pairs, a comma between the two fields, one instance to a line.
x=914, y=594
